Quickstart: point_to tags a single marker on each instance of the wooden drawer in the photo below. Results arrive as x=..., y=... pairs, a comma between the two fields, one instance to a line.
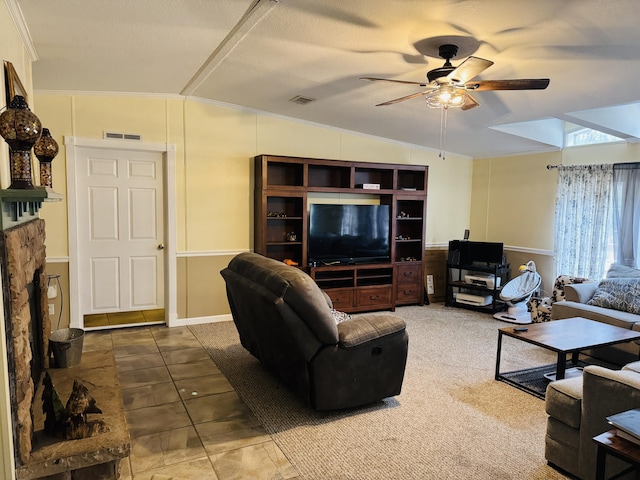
x=342, y=298
x=408, y=293
x=409, y=273
x=373, y=296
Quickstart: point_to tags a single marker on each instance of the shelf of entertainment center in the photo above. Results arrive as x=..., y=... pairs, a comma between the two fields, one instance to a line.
x=355, y=288
x=320, y=175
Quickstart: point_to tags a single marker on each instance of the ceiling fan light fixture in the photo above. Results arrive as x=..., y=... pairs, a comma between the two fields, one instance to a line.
x=447, y=96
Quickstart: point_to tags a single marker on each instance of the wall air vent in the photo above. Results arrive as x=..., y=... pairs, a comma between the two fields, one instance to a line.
x=122, y=136
x=300, y=100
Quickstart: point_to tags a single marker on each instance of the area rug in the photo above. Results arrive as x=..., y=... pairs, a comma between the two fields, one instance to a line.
x=451, y=421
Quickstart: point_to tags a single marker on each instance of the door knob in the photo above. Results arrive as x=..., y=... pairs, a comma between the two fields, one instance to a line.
x=161, y=246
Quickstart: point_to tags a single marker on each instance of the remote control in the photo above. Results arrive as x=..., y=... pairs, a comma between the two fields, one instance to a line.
x=520, y=329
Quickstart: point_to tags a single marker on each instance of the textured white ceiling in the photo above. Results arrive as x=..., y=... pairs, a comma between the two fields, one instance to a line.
x=259, y=54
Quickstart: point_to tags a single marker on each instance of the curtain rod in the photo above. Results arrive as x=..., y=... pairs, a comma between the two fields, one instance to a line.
x=627, y=165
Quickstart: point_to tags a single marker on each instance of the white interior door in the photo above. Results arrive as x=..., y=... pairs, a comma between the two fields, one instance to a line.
x=120, y=229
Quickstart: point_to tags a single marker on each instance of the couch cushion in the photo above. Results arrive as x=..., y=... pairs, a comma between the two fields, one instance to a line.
x=365, y=328
x=561, y=446
x=563, y=434
x=619, y=294
x=622, y=271
x=564, y=401
x=617, y=318
x=633, y=366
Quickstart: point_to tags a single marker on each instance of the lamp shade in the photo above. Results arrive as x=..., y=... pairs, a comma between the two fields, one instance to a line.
x=19, y=126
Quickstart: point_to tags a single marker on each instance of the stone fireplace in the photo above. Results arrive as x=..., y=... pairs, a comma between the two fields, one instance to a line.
x=27, y=324
x=28, y=329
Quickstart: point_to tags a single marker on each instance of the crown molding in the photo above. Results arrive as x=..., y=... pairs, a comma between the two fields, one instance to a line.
x=23, y=30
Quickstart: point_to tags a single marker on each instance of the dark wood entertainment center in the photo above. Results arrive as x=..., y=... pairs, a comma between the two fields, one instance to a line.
x=284, y=188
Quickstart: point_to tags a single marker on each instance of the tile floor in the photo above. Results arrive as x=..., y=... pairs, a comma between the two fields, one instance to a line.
x=184, y=417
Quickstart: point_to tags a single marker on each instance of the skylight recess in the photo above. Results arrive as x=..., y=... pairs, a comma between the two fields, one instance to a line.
x=577, y=135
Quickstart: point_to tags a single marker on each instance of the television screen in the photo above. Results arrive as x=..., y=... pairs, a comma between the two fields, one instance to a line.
x=348, y=233
x=468, y=253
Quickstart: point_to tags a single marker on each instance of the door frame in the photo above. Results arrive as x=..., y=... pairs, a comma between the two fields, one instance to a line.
x=168, y=152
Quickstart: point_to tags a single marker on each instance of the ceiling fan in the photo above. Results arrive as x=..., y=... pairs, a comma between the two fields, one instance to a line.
x=449, y=86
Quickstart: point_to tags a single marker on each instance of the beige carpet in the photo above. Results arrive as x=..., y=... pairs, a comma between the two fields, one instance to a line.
x=452, y=420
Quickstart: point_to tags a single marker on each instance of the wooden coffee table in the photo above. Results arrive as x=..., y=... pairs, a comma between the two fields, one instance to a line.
x=564, y=337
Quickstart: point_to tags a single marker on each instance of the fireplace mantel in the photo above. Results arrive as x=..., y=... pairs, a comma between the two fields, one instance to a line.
x=20, y=206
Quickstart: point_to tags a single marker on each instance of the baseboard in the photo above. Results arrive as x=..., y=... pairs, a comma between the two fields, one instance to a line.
x=183, y=322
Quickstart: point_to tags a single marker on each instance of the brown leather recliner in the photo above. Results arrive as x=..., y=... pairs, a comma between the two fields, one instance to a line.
x=285, y=321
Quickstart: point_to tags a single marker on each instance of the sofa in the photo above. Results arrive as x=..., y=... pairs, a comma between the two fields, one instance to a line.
x=329, y=360
x=614, y=300
x=577, y=409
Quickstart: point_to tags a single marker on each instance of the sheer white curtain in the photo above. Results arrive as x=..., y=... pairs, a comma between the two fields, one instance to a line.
x=626, y=214
x=583, y=219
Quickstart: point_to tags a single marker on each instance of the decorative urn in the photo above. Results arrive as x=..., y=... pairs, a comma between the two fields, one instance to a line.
x=46, y=149
x=20, y=128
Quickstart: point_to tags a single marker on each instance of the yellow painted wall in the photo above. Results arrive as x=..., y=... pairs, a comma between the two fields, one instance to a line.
x=513, y=202
x=518, y=190
x=448, y=197
x=215, y=145
x=604, y=153
x=513, y=199
x=219, y=143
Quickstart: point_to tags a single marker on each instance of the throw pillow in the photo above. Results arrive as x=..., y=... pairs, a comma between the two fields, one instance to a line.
x=618, y=294
x=618, y=270
x=339, y=317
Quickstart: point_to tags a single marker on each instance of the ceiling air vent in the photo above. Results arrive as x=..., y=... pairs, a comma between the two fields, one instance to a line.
x=300, y=100
x=123, y=136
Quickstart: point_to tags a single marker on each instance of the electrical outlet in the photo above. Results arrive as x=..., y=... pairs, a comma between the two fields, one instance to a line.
x=52, y=309
x=430, y=289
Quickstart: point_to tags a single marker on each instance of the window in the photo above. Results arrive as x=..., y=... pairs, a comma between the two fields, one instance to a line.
x=576, y=135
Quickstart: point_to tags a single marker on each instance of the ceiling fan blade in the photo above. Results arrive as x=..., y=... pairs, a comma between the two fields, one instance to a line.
x=468, y=69
x=374, y=79
x=519, y=84
x=469, y=102
x=402, y=99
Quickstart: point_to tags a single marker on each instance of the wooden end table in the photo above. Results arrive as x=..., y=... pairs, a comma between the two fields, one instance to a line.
x=612, y=444
x=565, y=337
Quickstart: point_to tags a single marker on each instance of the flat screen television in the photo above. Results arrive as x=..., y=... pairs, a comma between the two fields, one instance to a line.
x=348, y=234
x=465, y=252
